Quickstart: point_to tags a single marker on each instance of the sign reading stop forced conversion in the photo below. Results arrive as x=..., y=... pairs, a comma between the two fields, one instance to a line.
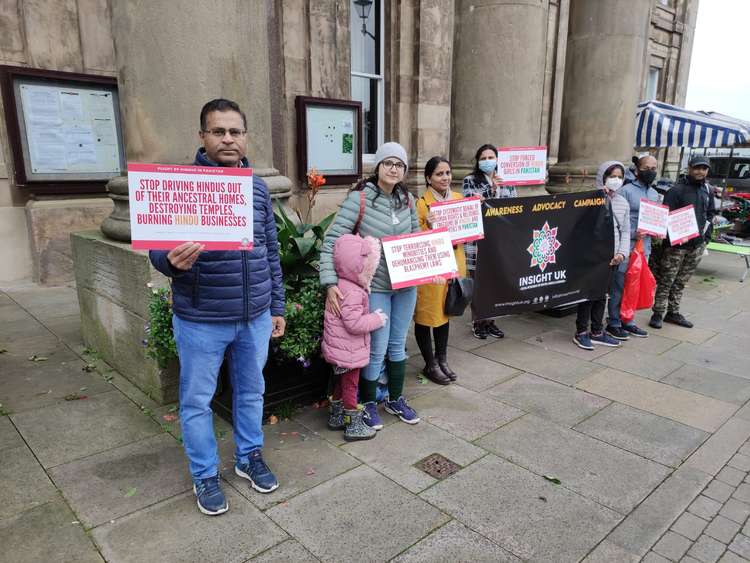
x=172, y=204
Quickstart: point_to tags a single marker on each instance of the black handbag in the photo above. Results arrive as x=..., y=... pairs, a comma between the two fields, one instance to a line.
x=458, y=297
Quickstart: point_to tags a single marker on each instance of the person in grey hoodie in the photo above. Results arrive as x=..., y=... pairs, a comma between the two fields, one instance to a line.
x=609, y=178
x=633, y=191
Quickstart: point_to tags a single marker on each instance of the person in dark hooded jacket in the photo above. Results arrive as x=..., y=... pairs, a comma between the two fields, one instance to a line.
x=225, y=303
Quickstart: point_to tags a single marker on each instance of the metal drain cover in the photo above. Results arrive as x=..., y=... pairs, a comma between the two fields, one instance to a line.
x=437, y=466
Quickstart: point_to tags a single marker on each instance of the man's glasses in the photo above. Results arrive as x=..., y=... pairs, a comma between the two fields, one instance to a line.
x=389, y=164
x=219, y=133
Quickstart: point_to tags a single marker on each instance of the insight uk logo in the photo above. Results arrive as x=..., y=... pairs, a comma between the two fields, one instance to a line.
x=544, y=245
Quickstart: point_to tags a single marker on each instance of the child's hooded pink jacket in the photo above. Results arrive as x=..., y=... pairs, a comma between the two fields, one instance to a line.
x=346, y=339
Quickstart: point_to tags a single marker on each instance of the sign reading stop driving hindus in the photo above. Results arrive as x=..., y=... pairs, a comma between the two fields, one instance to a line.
x=172, y=204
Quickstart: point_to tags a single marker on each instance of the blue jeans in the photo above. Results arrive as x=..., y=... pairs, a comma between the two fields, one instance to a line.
x=201, y=347
x=391, y=338
x=615, y=293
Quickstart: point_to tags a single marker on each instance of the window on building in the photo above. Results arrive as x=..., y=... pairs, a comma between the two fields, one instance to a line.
x=367, y=69
x=652, y=85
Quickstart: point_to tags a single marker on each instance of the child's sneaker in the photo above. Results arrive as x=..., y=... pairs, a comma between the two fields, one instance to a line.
x=356, y=429
x=582, y=340
x=210, y=497
x=604, y=339
x=336, y=415
x=402, y=410
x=372, y=417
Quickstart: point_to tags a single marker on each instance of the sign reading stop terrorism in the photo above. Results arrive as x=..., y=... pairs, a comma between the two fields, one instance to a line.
x=542, y=252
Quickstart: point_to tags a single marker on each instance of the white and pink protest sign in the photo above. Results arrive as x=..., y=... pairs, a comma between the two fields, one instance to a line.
x=462, y=218
x=682, y=225
x=522, y=166
x=653, y=218
x=171, y=204
x=417, y=258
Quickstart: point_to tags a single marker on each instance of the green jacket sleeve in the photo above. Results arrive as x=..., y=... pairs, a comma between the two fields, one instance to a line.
x=343, y=224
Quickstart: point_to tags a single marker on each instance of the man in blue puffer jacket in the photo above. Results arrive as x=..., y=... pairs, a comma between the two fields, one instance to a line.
x=225, y=302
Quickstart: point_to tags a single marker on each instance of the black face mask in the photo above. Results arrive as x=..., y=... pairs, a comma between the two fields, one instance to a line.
x=647, y=176
x=694, y=181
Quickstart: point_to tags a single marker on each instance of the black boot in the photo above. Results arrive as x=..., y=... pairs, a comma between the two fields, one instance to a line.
x=433, y=372
x=442, y=361
x=655, y=321
x=441, y=350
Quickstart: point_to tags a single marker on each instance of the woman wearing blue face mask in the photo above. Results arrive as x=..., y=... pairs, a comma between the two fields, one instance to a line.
x=485, y=182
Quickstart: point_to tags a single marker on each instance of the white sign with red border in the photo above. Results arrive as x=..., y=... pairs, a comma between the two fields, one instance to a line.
x=682, y=225
x=462, y=218
x=653, y=218
x=417, y=258
x=171, y=204
x=522, y=166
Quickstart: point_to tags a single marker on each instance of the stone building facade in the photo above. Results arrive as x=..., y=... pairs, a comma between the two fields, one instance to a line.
x=439, y=76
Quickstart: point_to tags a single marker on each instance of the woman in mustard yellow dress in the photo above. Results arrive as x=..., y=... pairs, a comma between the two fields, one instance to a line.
x=429, y=319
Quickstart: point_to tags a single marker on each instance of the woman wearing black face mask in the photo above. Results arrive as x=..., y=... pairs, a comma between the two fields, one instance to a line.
x=633, y=192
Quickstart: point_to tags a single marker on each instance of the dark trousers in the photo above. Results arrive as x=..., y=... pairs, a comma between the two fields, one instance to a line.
x=590, y=312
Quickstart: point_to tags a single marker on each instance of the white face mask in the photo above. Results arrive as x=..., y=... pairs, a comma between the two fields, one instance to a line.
x=613, y=184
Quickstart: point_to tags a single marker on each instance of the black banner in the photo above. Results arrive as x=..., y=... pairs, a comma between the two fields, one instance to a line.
x=543, y=252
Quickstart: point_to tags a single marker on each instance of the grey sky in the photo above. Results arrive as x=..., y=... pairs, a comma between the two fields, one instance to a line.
x=719, y=78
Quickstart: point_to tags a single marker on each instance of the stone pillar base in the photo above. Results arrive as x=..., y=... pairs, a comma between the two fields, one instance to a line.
x=113, y=296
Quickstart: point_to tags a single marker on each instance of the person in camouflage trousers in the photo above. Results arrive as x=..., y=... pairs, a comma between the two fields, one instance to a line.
x=678, y=262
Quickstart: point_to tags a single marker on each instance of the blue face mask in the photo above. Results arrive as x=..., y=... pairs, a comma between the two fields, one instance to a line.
x=488, y=166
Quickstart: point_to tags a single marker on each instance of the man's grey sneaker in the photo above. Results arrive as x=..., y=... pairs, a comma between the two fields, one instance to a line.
x=582, y=340
x=210, y=497
x=677, y=319
x=336, y=415
x=402, y=410
x=618, y=332
x=635, y=331
x=356, y=429
x=372, y=417
x=604, y=339
x=655, y=321
x=257, y=472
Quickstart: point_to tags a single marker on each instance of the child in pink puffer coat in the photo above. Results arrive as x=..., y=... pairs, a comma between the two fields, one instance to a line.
x=346, y=338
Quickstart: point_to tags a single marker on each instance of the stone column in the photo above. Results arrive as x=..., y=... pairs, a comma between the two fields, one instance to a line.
x=498, y=76
x=173, y=59
x=606, y=53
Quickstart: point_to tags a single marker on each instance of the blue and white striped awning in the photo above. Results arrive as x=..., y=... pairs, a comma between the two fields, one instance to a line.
x=662, y=125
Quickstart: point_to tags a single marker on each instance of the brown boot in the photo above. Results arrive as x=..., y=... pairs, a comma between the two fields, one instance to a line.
x=442, y=361
x=433, y=372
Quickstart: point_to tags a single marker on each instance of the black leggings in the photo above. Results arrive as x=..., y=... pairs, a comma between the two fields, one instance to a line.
x=424, y=340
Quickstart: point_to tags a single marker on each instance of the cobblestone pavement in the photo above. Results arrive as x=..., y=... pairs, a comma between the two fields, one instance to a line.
x=632, y=454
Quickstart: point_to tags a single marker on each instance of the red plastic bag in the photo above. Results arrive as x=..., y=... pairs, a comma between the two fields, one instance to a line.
x=640, y=285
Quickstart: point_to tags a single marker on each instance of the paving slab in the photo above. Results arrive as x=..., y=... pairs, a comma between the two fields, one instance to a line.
x=672, y=546
x=689, y=525
x=317, y=517
x=695, y=335
x=16, y=325
x=735, y=510
x=722, y=386
x=641, y=363
x=25, y=484
x=682, y=406
x=530, y=517
x=29, y=384
x=9, y=437
x=455, y=542
x=549, y=364
x=652, y=517
x=174, y=530
x=71, y=430
x=47, y=302
x=464, y=413
x=596, y=470
x=741, y=546
x=721, y=353
x=562, y=341
x=648, y=435
x=389, y=453
x=607, y=552
x=67, y=329
x=42, y=343
x=719, y=491
x=548, y=399
x=117, y=482
x=462, y=338
x=48, y=532
x=719, y=448
x=299, y=459
x=707, y=549
x=285, y=552
x=477, y=373
x=654, y=344
x=722, y=529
